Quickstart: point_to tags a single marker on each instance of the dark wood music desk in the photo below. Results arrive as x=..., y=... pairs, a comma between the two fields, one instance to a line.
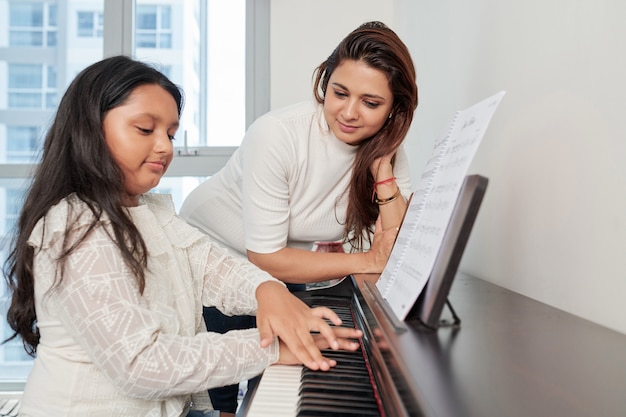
x=513, y=356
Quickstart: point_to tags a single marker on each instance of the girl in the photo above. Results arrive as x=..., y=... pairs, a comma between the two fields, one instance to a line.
x=108, y=283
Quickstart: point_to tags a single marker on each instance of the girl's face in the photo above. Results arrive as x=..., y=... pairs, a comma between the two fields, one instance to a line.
x=139, y=134
x=358, y=101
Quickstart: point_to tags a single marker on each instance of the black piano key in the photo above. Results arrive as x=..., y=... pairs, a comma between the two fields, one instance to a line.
x=324, y=398
x=314, y=410
x=354, y=408
x=339, y=406
x=359, y=390
x=337, y=377
x=335, y=387
x=343, y=366
x=347, y=356
x=345, y=369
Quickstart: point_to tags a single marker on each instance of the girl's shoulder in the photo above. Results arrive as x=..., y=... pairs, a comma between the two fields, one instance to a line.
x=70, y=213
x=162, y=203
x=162, y=210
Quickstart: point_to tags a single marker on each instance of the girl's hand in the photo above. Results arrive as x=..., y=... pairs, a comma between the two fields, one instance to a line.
x=346, y=341
x=283, y=315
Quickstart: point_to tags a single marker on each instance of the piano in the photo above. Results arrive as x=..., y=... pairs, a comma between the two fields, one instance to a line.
x=509, y=356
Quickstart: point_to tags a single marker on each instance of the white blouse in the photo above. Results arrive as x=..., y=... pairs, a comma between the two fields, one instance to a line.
x=107, y=350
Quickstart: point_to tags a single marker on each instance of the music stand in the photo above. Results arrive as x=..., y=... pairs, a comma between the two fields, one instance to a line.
x=429, y=305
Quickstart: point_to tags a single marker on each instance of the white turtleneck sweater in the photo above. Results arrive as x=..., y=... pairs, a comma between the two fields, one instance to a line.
x=286, y=185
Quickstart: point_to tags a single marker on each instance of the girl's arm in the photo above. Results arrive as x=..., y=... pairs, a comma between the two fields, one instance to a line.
x=99, y=305
x=230, y=282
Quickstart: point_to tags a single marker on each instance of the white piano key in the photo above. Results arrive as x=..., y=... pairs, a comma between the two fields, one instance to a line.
x=277, y=392
x=9, y=407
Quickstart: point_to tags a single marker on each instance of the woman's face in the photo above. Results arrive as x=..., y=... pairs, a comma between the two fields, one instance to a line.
x=139, y=135
x=358, y=101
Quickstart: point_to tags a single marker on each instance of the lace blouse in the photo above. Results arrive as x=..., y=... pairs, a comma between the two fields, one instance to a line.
x=106, y=349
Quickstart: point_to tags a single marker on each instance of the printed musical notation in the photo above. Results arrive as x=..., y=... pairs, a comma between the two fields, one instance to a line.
x=430, y=209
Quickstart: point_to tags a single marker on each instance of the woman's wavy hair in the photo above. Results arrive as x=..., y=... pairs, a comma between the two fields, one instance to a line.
x=379, y=47
x=76, y=160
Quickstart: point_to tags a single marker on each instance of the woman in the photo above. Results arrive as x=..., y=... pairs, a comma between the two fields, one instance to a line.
x=108, y=283
x=321, y=171
x=328, y=170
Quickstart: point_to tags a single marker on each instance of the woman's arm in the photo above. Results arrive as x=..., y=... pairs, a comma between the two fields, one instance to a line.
x=301, y=266
x=387, y=192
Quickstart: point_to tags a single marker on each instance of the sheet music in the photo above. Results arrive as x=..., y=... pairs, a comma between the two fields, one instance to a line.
x=411, y=217
x=428, y=214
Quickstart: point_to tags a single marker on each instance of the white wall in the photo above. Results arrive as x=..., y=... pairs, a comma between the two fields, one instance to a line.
x=302, y=35
x=552, y=222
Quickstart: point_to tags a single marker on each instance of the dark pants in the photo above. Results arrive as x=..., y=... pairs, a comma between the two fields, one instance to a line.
x=225, y=398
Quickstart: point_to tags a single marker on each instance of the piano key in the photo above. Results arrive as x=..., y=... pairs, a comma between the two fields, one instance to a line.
x=340, y=406
x=9, y=407
x=334, y=411
x=340, y=398
x=356, y=368
x=277, y=392
x=332, y=387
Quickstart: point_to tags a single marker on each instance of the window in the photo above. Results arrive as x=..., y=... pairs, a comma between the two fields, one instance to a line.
x=31, y=86
x=32, y=24
x=153, y=26
x=183, y=38
x=22, y=143
x=90, y=24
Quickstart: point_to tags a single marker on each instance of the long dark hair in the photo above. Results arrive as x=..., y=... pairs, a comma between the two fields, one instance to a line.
x=379, y=47
x=76, y=160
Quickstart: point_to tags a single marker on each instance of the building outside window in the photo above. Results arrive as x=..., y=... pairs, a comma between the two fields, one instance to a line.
x=32, y=24
x=32, y=86
x=153, y=25
x=24, y=143
x=89, y=24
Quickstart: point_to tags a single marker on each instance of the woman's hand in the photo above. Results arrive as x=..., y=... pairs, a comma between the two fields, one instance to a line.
x=381, y=168
x=283, y=315
x=382, y=244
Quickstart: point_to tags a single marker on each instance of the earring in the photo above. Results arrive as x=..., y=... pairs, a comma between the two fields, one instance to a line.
x=390, y=114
